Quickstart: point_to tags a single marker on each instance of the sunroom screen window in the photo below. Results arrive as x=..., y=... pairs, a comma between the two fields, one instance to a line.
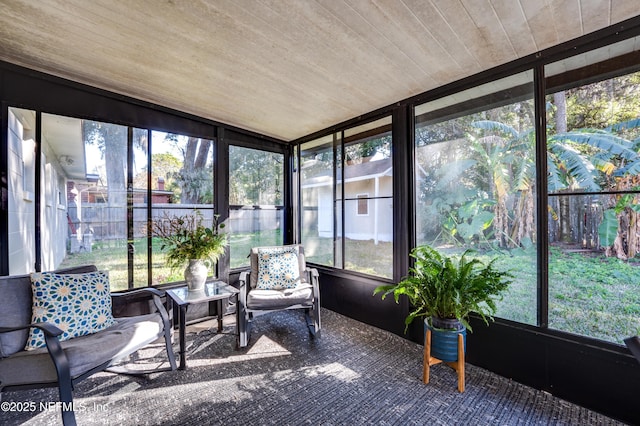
x=475, y=182
x=181, y=184
x=593, y=182
x=317, y=212
x=89, y=159
x=256, y=209
x=346, y=187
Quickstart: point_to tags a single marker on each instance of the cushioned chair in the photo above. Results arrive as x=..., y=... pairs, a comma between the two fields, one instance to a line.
x=278, y=280
x=65, y=363
x=633, y=343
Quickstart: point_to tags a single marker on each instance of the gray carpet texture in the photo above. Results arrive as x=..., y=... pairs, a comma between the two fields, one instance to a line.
x=354, y=374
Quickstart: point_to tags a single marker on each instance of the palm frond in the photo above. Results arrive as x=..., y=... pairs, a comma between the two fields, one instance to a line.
x=555, y=181
x=496, y=126
x=631, y=169
x=630, y=124
x=577, y=165
x=599, y=139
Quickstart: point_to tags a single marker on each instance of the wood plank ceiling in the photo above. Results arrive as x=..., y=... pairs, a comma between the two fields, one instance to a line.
x=286, y=68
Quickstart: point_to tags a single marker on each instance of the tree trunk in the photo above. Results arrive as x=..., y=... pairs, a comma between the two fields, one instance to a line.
x=195, y=161
x=115, y=156
x=203, y=154
x=560, y=101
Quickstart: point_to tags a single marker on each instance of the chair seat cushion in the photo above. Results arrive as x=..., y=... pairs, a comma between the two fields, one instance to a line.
x=279, y=299
x=84, y=353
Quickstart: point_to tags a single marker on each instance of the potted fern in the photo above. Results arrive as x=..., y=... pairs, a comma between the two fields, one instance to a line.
x=446, y=289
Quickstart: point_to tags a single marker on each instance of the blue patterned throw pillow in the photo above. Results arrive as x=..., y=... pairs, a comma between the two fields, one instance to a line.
x=78, y=304
x=278, y=268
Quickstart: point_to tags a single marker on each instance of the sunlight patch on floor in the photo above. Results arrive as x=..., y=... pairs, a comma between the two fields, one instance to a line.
x=262, y=348
x=335, y=370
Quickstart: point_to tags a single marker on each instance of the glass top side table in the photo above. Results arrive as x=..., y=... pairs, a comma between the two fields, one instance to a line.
x=182, y=298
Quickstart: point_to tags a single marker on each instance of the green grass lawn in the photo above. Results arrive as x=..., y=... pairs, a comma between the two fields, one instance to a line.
x=360, y=255
x=588, y=294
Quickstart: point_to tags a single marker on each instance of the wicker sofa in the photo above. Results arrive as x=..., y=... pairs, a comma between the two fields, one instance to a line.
x=65, y=363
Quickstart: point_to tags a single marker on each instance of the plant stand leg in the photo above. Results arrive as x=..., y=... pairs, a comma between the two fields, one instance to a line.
x=458, y=365
x=427, y=357
x=460, y=368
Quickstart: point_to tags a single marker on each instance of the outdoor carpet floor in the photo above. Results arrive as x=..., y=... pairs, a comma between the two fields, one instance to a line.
x=354, y=375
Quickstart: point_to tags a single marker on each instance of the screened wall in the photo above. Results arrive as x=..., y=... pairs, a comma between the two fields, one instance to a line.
x=84, y=190
x=533, y=164
x=544, y=184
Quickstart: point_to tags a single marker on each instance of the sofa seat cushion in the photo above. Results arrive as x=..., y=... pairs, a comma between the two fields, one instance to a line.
x=279, y=299
x=124, y=337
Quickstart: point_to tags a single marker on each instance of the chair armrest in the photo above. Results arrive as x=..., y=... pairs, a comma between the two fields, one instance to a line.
x=136, y=291
x=58, y=357
x=313, y=280
x=47, y=329
x=244, y=278
x=312, y=275
x=244, y=287
x=151, y=292
x=633, y=343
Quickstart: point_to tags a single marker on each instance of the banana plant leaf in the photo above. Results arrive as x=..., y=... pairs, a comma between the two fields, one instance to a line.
x=608, y=229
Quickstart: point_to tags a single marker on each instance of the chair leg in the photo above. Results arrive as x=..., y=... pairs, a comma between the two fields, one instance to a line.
x=316, y=319
x=169, y=346
x=243, y=326
x=312, y=318
x=65, y=385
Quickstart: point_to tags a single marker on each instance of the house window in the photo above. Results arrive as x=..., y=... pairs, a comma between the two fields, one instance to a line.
x=363, y=205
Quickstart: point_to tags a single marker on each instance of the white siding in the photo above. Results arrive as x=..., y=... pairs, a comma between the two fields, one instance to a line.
x=21, y=208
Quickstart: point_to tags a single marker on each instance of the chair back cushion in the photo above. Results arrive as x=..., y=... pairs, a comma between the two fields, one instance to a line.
x=15, y=308
x=295, y=249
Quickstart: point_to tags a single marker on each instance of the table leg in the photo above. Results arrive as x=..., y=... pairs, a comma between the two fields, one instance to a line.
x=183, y=331
x=220, y=315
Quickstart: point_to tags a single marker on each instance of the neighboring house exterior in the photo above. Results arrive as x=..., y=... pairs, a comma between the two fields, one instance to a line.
x=74, y=205
x=368, y=189
x=21, y=197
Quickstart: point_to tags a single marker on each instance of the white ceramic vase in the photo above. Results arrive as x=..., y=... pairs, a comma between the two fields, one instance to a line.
x=195, y=274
